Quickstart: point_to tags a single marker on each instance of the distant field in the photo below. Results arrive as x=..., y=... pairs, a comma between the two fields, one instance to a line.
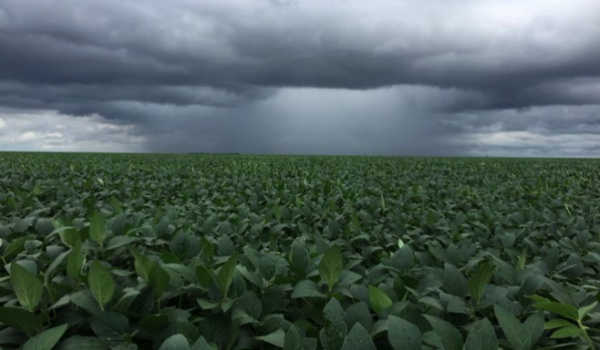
x=201, y=252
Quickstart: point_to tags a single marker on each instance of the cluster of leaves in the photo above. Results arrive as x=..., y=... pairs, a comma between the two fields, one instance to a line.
x=335, y=253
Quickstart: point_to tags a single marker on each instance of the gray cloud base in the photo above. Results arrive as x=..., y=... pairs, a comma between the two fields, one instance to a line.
x=205, y=66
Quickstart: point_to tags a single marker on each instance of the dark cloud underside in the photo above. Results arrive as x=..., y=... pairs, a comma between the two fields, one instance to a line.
x=176, y=70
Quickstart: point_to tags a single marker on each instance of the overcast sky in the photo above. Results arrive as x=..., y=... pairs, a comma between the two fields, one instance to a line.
x=377, y=77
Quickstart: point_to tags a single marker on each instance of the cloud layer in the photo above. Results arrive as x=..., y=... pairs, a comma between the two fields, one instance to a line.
x=50, y=131
x=253, y=76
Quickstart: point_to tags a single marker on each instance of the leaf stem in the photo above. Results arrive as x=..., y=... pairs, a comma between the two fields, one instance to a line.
x=568, y=211
x=585, y=335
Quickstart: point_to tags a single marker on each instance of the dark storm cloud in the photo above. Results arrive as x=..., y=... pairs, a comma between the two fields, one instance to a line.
x=105, y=99
x=161, y=52
x=228, y=75
x=571, y=131
x=310, y=121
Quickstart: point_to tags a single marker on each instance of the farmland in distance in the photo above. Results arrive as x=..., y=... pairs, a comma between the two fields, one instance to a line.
x=128, y=251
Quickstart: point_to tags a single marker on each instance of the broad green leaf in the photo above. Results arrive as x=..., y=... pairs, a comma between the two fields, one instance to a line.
x=379, y=300
x=62, y=302
x=206, y=250
x=85, y=300
x=37, y=190
x=175, y=342
x=143, y=264
x=563, y=310
x=21, y=225
x=159, y=280
x=534, y=325
x=296, y=341
x=355, y=223
x=44, y=226
x=292, y=340
x=570, y=331
x=15, y=247
x=432, y=302
x=184, y=245
x=582, y=311
x=404, y=258
x=201, y=344
x=455, y=282
x=251, y=304
x=183, y=271
x=115, y=205
x=238, y=285
x=206, y=304
x=21, y=319
x=225, y=247
x=75, y=261
x=119, y=241
x=46, y=340
x=331, y=266
x=125, y=300
x=276, y=338
x=27, y=287
x=307, y=289
x=98, y=228
x=111, y=327
x=101, y=283
x=267, y=267
x=169, y=258
x=515, y=332
x=69, y=235
x=482, y=336
x=299, y=256
x=505, y=270
x=449, y=336
x=455, y=304
x=50, y=270
x=479, y=280
x=204, y=276
x=333, y=334
x=358, y=313
x=492, y=295
x=403, y=335
x=29, y=265
x=556, y=323
x=358, y=339
x=225, y=275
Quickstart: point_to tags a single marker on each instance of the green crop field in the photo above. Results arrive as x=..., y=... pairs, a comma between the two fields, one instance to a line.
x=203, y=252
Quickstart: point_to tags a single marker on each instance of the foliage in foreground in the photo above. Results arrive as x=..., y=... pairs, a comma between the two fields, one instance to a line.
x=240, y=252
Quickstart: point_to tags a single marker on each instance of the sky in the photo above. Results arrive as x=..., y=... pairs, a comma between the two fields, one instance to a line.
x=339, y=77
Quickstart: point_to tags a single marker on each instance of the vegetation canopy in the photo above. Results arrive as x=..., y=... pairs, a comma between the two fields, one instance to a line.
x=199, y=252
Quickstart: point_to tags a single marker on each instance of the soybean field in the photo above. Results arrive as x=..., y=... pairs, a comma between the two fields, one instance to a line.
x=151, y=251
